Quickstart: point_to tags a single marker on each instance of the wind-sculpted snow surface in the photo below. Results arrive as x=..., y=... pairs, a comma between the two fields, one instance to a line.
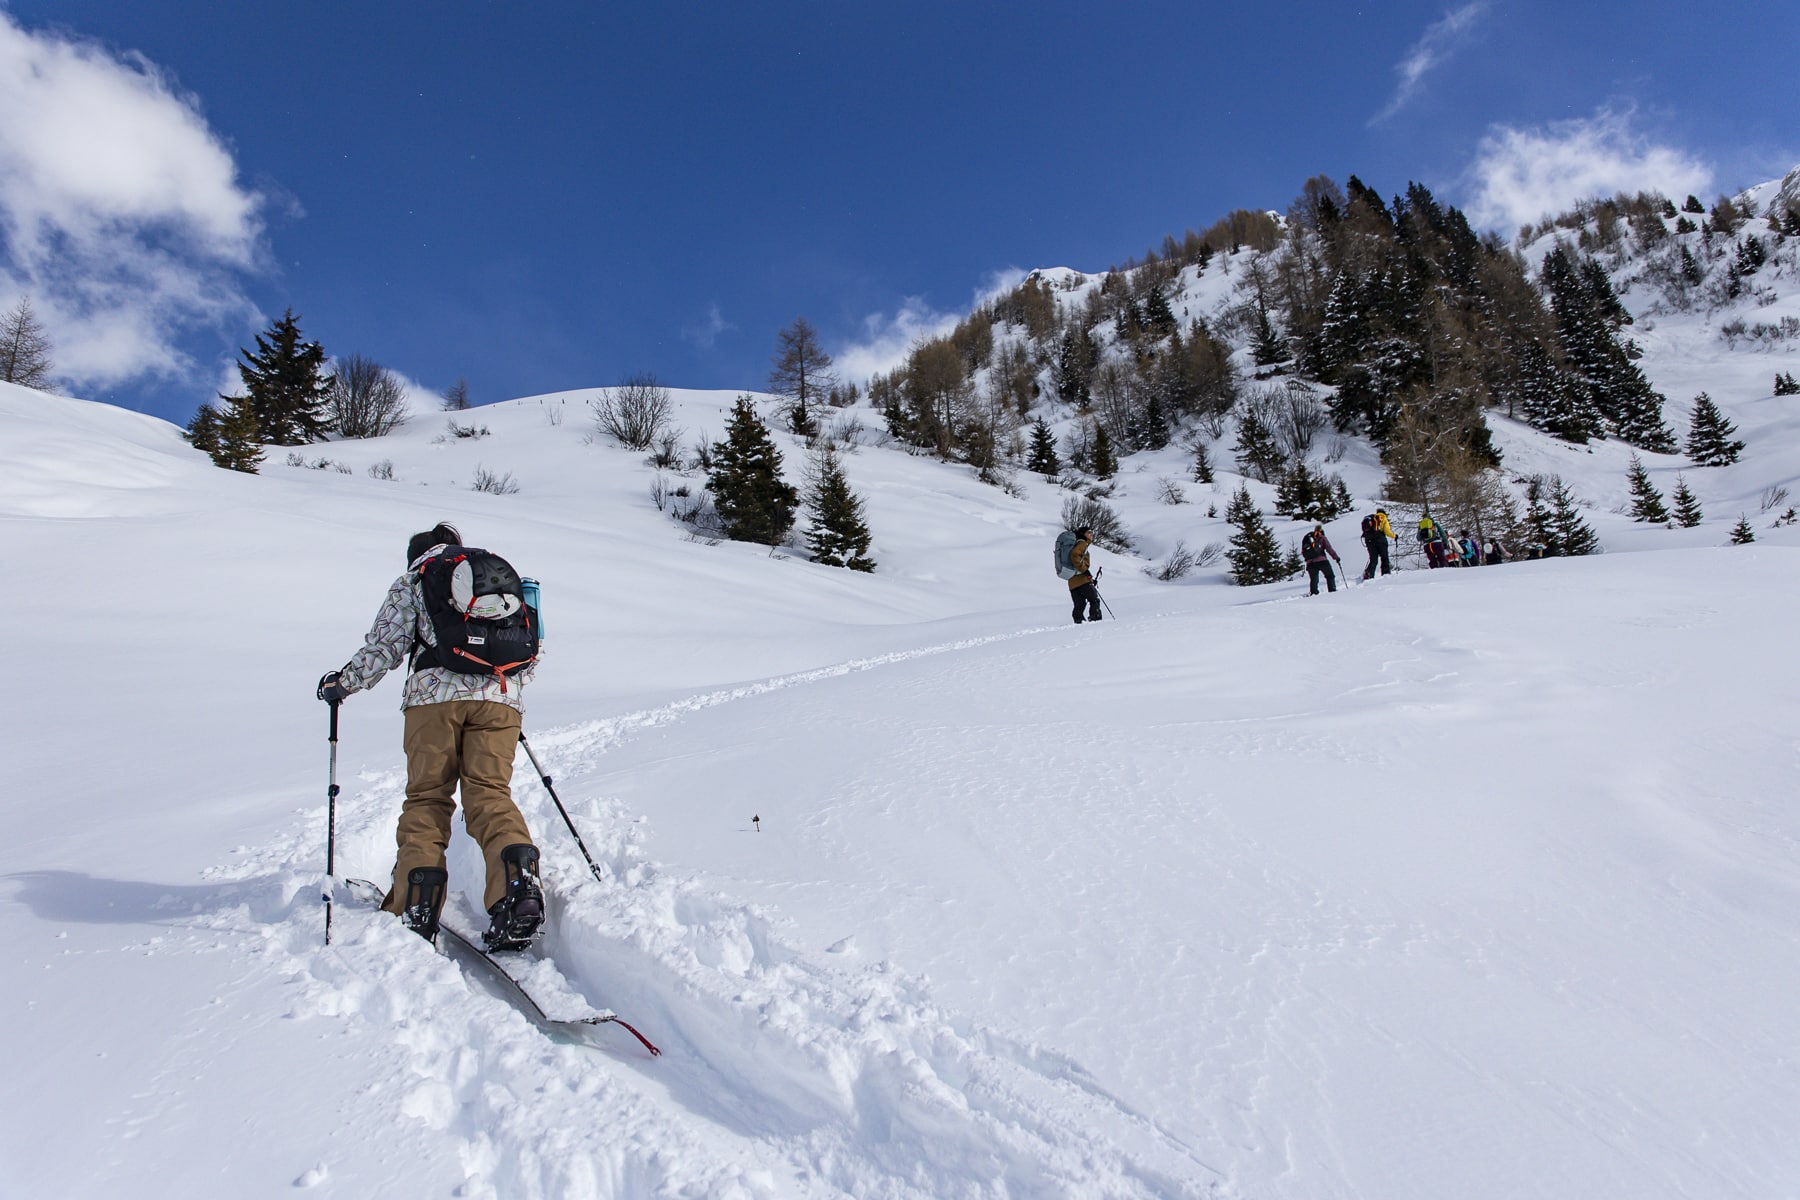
x=780, y=1076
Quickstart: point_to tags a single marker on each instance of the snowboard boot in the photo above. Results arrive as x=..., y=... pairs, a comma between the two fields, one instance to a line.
x=425, y=888
x=518, y=914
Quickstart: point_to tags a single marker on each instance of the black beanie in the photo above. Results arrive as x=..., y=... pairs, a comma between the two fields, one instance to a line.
x=441, y=534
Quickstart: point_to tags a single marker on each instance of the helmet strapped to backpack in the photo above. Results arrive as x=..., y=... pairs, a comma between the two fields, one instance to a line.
x=476, y=604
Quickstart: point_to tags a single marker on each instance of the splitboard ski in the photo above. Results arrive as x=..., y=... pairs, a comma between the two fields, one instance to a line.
x=467, y=946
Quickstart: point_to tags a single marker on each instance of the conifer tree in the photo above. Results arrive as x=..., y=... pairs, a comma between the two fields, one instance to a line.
x=1266, y=347
x=800, y=421
x=24, y=347
x=1203, y=470
x=1646, y=501
x=800, y=370
x=1159, y=318
x=228, y=438
x=839, y=537
x=753, y=503
x=1687, y=505
x=1043, y=460
x=1106, y=463
x=1293, y=563
x=239, y=446
x=1588, y=315
x=1786, y=384
x=1709, y=441
x=1259, y=451
x=1150, y=427
x=1569, y=535
x=202, y=433
x=1741, y=533
x=1255, y=555
x=1553, y=400
x=286, y=385
x=1307, y=495
x=1074, y=368
x=1537, y=515
x=1240, y=507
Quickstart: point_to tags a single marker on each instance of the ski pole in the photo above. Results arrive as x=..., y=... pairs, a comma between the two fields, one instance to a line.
x=1098, y=571
x=331, y=795
x=573, y=832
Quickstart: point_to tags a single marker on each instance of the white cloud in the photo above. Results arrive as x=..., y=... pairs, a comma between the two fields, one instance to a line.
x=120, y=211
x=706, y=333
x=887, y=339
x=1521, y=175
x=1439, y=41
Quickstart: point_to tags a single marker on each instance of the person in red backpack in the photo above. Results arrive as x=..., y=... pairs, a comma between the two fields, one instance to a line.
x=1375, y=534
x=1315, y=547
x=461, y=732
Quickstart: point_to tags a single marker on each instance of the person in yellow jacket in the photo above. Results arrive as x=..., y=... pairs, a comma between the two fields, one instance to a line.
x=1376, y=533
x=1082, y=589
x=1435, y=540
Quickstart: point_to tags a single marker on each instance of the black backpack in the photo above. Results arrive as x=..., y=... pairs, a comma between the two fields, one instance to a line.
x=1371, y=525
x=476, y=604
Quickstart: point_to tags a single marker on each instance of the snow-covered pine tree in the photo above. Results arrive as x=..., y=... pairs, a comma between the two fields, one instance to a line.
x=1570, y=536
x=1741, y=533
x=1255, y=555
x=1203, y=471
x=1241, y=507
x=1308, y=495
x=1786, y=384
x=1259, y=451
x=1646, y=502
x=1709, y=441
x=839, y=537
x=753, y=503
x=1266, y=347
x=1043, y=459
x=1554, y=400
x=1687, y=505
x=1588, y=316
x=1297, y=492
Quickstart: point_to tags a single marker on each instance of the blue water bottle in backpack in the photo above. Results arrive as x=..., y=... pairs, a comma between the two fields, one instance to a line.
x=528, y=588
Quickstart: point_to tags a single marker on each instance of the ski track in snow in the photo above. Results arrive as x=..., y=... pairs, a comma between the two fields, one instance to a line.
x=780, y=1076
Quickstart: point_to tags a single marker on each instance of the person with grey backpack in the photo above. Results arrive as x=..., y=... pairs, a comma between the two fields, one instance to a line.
x=1072, y=565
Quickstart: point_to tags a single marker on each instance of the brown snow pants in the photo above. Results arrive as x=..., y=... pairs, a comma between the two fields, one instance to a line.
x=466, y=741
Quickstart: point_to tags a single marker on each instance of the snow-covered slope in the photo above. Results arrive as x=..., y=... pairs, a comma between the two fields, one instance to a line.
x=1472, y=884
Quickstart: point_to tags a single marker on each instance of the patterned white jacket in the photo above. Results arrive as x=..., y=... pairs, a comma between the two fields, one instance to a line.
x=401, y=620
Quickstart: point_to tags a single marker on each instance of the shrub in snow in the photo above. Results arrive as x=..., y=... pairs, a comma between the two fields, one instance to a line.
x=635, y=413
x=492, y=484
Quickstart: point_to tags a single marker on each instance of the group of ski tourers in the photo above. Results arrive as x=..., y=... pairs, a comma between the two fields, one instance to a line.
x=1315, y=548
x=1440, y=549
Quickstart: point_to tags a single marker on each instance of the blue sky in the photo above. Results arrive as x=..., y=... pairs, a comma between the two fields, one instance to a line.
x=556, y=195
